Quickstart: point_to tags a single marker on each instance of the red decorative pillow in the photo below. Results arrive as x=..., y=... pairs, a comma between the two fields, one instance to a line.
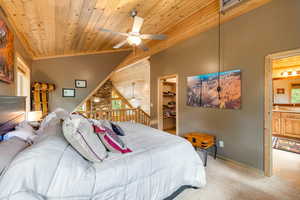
x=111, y=140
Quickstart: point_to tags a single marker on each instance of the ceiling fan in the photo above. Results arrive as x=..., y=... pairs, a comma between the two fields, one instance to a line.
x=134, y=37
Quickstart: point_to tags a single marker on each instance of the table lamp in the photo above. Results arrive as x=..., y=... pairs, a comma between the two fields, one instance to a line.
x=34, y=116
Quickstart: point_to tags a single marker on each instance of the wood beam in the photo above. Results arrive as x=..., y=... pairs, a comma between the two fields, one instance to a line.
x=201, y=21
x=81, y=54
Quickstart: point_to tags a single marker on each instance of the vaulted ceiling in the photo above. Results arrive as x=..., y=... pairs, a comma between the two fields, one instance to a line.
x=62, y=27
x=54, y=28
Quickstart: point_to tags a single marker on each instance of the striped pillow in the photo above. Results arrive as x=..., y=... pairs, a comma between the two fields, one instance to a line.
x=79, y=133
x=111, y=140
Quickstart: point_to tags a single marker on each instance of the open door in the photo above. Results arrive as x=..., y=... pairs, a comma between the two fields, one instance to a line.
x=168, y=104
x=282, y=115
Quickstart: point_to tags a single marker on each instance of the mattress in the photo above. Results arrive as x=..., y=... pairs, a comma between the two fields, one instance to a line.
x=51, y=169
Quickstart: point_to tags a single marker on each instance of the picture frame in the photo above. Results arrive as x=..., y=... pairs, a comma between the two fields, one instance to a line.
x=68, y=92
x=80, y=83
x=202, y=90
x=280, y=91
x=6, y=53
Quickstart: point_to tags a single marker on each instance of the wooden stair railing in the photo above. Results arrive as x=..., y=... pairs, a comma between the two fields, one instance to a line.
x=136, y=115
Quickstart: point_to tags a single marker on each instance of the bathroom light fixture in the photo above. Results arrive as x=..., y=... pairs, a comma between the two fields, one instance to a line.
x=290, y=73
x=285, y=73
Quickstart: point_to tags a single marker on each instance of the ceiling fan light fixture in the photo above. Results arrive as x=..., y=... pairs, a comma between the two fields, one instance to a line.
x=134, y=40
x=134, y=37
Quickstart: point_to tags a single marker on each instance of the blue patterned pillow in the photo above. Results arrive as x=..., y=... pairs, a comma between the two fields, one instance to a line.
x=117, y=129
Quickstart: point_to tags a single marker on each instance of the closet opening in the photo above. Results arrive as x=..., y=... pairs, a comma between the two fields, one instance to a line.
x=168, y=104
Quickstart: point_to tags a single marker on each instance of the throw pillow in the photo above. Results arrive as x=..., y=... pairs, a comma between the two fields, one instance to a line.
x=117, y=129
x=111, y=140
x=79, y=133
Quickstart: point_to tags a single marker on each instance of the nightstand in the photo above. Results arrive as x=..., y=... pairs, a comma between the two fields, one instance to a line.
x=204, y=142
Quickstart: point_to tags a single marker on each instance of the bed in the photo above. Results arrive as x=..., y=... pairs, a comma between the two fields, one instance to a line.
x=12, y=112
x=158, y=167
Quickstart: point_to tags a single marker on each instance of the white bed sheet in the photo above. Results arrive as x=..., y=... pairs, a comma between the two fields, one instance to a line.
x=159, y=164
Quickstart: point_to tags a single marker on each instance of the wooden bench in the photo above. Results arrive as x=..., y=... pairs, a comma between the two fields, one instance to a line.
x=202, y=141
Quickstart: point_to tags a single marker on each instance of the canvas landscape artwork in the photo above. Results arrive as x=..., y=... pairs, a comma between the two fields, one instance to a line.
x=6, y=54
x=203, y=90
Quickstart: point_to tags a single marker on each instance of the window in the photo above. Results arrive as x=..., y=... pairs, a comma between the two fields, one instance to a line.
x=23, y=81
x=295, y=93
x=118, y=101
x=116, y=104
x=82, y=108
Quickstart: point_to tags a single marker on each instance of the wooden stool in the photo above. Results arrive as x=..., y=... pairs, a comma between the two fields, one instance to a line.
x=203, y=142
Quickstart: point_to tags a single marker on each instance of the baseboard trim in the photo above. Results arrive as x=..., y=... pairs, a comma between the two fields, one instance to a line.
x=242, y=165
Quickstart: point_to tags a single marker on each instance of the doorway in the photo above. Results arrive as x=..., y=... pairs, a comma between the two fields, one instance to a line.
x=282, y=115
x=23, y=81
x=168, y=104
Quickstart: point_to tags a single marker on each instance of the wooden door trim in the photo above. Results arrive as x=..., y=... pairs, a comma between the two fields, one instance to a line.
x=159, y=101
x=23, y=66
x=268, y=104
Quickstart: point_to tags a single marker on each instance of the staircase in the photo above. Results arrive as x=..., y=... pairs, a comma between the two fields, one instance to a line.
x=107, y=103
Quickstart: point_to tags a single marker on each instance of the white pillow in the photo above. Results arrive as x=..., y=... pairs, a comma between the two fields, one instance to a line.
x=61, y=113
x=22, y=134
x=53, y=118
x=53, y=128
x=49, y=119
x=79, y=132
x=25, y=125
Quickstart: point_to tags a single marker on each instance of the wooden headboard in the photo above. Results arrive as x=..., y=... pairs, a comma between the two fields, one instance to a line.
x=12, y=112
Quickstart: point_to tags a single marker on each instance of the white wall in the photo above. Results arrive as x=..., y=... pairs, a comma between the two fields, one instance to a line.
x=138, y=73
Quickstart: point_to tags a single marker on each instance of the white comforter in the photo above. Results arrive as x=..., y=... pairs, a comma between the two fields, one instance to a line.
x=159, y=164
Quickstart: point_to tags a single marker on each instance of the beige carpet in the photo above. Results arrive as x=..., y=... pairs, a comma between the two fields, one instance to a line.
x=287, y=166
x=226, y=181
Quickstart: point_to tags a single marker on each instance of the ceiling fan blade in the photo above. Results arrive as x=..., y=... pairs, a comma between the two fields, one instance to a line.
x=113, y=32
x=137, y=24
x=153, y=36
x=144, y=47
x=120, y=44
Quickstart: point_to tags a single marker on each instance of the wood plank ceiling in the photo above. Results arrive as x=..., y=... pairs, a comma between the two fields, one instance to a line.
x=288, y=62
x=201, y=21
x=51, y=28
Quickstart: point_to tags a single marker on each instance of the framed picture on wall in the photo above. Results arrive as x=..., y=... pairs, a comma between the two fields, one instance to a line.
x=202, y=90
x=6, y=53
x=280, y=90
x=80, y=83
x=68, y=92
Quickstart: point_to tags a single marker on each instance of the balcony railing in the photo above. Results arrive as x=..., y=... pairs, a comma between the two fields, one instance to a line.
x=136, y=115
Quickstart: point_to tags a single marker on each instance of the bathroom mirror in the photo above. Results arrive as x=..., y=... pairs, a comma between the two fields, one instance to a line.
x=286, y=91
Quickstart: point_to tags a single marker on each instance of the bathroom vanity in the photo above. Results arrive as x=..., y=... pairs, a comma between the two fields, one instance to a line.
x=286, y=123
